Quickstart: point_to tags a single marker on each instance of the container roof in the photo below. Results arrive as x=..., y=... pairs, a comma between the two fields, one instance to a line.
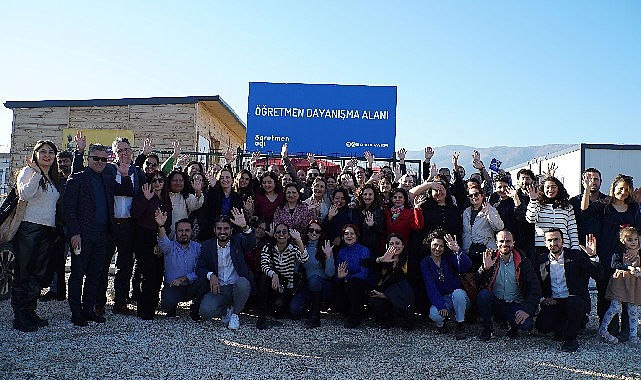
x=215, y=102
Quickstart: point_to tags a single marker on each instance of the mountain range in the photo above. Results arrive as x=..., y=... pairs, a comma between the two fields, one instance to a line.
x=508, y=155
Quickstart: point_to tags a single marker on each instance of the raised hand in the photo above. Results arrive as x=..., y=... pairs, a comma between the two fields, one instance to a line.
x=433, y=171
x=369, y=157
x=419, y=200
x=160, y=217
x=183, y=159
x=322, y=168
x=455, y=157
x=333, y=210
x=147, y=191
x=311, y=158
x=327, y=249
x=389, y=255
x=255, y=157
x=176, y=146
x=295, y=235
x=533, y=189
x=429, y=153
x=238, y=218
x=341, y=271
x=284, y=151
x=451, y=242
x=249, y=205
x=30, y=163
x=369, y=218
x=229, y=154
x=401, y=154
x=551, y=170
x=81, y=141
x=590, y=245
x=476, y=161
x=351, y=163
x=488, y=260
x=147, y=146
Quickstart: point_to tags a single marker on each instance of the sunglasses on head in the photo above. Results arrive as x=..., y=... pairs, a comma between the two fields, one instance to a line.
x=96, y=158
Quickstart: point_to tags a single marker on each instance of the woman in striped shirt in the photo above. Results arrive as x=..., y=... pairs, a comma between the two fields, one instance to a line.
x=550, y=207
x=277, y=262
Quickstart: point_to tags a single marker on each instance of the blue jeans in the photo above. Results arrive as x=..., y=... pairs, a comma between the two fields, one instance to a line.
x=489, y=306
x=458, y=303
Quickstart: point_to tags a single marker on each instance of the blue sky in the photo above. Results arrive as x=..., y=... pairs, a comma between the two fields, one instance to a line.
x=477, y=73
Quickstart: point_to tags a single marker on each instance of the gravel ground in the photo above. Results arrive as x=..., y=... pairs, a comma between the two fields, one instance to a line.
x=167, y=348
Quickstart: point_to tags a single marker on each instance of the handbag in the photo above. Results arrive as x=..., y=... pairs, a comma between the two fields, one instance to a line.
x=11, y=215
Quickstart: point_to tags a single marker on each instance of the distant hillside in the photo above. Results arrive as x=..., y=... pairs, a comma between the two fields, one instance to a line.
x=509, y=155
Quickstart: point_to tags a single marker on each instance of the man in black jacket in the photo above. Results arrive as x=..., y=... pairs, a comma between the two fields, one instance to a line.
x=89, y=210
x=509, y=288
x=564, y=275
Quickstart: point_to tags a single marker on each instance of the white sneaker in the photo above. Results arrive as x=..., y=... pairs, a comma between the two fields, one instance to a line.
x=227, y=317
x=234, y=322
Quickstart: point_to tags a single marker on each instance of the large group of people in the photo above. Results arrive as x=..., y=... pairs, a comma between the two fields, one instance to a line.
x=282, y=242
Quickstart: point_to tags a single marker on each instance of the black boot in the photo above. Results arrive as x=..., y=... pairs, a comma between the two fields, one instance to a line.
x=22, y=322
x=33, y=317
x=314, y=315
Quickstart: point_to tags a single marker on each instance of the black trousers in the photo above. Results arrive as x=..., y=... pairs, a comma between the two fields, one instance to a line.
x=269, y=298
x=152, y=270
x=565, y=316
x=57, y=263
x=350, y=298
x=122, y=240
x=88, y=265
x=32, y=244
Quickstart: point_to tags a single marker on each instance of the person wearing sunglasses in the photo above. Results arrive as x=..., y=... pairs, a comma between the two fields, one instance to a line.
x=89, y=219
x=441, y=272
x=155, y=196
x=319, y=270
x=480, y=222
x=278, y=262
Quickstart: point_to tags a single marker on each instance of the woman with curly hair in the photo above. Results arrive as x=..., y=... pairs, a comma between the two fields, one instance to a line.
x=269, y=197
x=373, y=221
x=243, y=184
x=550, y=207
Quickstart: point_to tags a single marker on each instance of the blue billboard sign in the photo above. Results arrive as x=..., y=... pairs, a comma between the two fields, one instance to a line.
x=324, y=119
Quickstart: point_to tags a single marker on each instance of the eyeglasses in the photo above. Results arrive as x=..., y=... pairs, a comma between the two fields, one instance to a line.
x=96, y=158
x=158, y=180
x=148, y=163
x=281, y=232
x=314, y=230
x=474, y=195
